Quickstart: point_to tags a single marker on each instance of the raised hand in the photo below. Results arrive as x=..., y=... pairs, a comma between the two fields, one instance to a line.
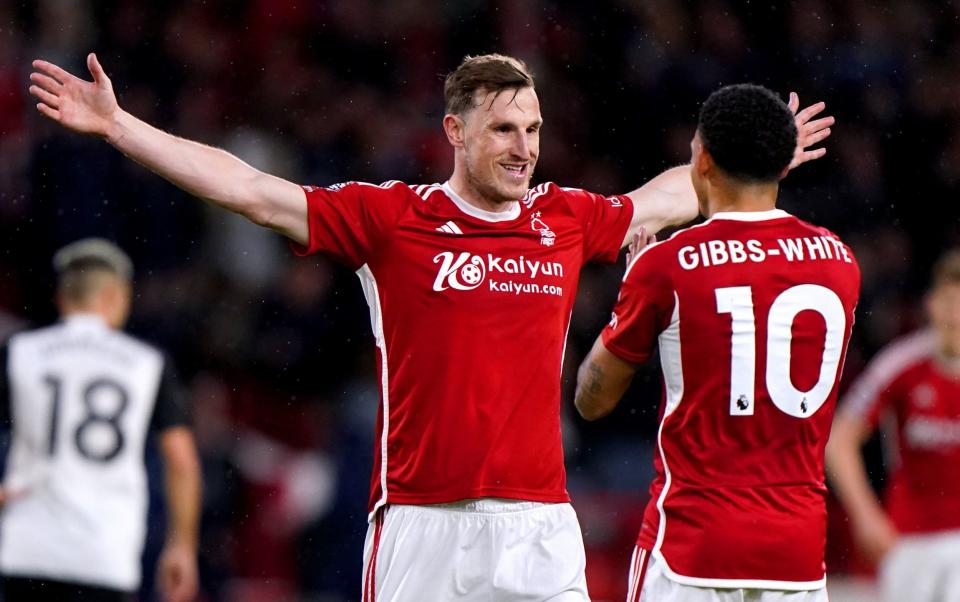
x=808, y=132
x=80, y=105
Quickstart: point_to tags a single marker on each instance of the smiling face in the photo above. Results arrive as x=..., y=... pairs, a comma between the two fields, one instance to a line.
x=497, y=144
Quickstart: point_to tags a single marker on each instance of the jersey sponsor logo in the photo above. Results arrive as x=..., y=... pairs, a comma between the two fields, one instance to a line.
x=547, y=236
x=466, y=271
x=722, y=252
x=931, y=433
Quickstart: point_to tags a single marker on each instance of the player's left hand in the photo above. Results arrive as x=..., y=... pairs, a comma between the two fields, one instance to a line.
x=640, y=241
x=808, y=132
x=177, y=573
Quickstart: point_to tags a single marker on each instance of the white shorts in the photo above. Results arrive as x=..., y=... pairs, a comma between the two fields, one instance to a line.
x=649, y=583
x=484, y=550
x=922, y=568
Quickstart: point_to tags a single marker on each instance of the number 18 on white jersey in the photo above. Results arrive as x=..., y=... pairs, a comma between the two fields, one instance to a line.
x=82, y=399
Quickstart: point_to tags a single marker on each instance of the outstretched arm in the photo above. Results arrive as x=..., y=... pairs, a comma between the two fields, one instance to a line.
x=669, y=199
x=602, y=380
x=203, y=171
x=177, y=567
x=872, y=528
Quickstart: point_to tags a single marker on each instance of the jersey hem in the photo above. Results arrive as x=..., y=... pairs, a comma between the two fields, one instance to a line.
x=446, y=498
x=771, y=584
x=123, y=586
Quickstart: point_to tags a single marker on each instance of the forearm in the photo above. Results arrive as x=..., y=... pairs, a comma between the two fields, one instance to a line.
x=601, y=381
x=183, y=493
x=848, y=475
x=206, y=172
x=666, y=200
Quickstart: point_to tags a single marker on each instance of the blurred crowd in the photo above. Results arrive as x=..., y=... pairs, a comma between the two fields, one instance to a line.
x=276, y=351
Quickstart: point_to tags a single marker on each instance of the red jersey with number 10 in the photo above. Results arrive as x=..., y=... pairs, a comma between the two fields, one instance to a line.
x=752, y=312
x=469, y=310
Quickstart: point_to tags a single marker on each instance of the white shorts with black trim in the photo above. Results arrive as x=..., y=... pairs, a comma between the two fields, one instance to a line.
x=475, y=550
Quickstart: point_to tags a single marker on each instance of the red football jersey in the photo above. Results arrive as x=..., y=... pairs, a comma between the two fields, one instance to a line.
x=907, y=391
x=752, y=313
x=470, y=311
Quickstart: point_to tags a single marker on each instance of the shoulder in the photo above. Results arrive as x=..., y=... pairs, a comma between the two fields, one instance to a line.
x=28, y=338
x=817, y=230
x=903, y=354
x=388, y=189
x=138, y=347
x=553, y=192
x=663, y=254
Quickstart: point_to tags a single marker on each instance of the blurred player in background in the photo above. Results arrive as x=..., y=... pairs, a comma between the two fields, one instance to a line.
x=752, y=311
x=912, y=390
x=470, y=285
x=82, y=399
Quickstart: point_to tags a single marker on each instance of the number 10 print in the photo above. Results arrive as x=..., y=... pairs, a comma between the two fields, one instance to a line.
x=738, y=302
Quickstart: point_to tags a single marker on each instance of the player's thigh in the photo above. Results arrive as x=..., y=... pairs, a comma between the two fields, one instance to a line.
x=909, y=572
x=416, y=553
x=538, y=555
x=649, y=583
x=948, y=552
x=818, y=595
x=535, y=554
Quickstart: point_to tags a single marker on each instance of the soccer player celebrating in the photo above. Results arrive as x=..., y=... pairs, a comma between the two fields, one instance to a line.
x=752, y=311
x=83, y=398
x=468, y=498
x=912, y=387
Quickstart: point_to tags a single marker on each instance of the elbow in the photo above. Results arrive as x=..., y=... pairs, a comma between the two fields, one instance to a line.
x=258, y=213
x=589, y=408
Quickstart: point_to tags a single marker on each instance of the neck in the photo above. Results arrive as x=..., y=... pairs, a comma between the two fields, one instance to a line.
x=469, y=192
x=80, y=310
x=948, y=361
x=727, y=196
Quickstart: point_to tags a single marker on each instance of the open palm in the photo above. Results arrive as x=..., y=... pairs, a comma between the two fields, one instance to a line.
x=809, y=131
x=82, y=106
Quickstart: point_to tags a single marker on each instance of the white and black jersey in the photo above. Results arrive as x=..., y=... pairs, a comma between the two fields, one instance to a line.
x=82, y=399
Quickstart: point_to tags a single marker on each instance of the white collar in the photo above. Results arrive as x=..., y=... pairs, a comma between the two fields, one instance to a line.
x=488, y=216
x=85, y=320
x=750, y=216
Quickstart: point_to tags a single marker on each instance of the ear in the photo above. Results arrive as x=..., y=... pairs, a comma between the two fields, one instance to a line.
x=703, y=162
x=453, y=126
x=930, y=303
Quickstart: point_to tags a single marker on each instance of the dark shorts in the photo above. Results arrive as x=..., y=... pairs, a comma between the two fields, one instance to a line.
x=22, y=589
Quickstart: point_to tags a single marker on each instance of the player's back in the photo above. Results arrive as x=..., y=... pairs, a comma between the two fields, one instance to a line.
x=81, y=399
x=752, y=346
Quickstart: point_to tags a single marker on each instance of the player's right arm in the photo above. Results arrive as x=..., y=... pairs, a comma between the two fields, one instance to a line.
x=872, y=528
x=206, y=172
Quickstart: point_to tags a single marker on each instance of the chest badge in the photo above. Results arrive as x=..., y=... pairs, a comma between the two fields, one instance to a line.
x=923, y=396
x=547, y=236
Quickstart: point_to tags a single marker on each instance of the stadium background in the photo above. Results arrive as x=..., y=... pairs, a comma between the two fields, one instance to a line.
x=276, y=351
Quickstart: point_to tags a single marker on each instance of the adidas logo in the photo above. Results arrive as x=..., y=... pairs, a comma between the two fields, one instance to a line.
x=450, y=228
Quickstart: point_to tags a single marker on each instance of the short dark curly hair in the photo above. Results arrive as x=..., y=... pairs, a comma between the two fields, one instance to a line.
x=749, y=132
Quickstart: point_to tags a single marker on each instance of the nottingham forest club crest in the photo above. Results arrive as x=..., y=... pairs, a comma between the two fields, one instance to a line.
x=547, y=236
